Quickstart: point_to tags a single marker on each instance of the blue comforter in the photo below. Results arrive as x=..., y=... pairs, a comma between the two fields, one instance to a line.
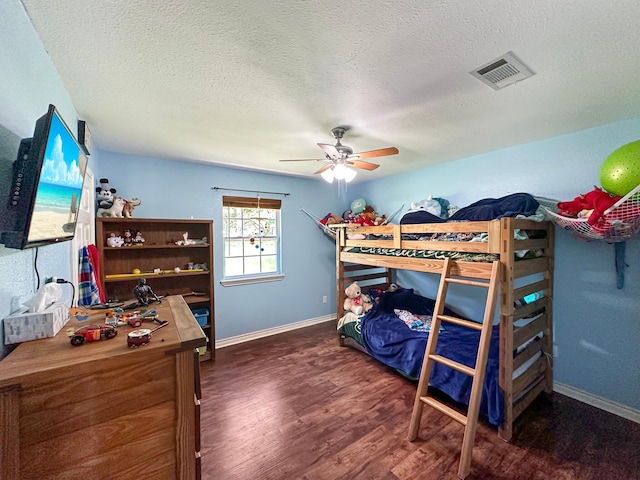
x=389, y=340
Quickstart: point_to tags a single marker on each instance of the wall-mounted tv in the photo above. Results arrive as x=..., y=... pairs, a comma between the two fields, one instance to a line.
x=48, y=174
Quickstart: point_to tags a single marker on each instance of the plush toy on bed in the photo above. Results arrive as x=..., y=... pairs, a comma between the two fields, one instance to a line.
x=435, y=206
x=331, y=219
x=356, y=301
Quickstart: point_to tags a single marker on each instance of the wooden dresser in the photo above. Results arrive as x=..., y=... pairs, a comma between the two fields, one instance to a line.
x=102, y=410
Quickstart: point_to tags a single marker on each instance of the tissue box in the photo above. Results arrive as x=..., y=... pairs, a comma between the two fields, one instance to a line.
x=22, y=327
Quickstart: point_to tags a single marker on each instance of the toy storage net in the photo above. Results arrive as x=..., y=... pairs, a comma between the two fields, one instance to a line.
x=618, y=224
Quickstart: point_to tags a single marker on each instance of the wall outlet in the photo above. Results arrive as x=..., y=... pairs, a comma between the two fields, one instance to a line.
x=325, y=299
x=555, y=351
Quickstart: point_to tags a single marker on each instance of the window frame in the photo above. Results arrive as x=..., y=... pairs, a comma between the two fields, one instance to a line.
x=245, y=203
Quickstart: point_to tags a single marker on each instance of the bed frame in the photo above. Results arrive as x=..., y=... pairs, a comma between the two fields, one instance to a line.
x=533, y=275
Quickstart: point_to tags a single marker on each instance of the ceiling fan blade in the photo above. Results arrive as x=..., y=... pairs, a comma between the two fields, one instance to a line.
x=363, y=165
x=382, y=152
x=330, y=150
x=305, y=160
x=326, y=167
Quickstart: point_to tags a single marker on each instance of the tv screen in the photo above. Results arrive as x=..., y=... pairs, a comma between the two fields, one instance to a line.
x=47, y=184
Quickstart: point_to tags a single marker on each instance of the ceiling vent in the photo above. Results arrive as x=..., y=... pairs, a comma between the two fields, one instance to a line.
x=503, y=71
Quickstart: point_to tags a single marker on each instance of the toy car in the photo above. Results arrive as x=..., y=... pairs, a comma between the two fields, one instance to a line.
x=92, y=333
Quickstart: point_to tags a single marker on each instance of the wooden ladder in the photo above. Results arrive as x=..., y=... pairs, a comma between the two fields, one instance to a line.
x=470, y=421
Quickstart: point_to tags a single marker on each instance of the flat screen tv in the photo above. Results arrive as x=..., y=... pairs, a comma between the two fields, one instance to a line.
x=44, y=196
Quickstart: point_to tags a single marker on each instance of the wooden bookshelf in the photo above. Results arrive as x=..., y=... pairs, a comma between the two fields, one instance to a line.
x=169, y=266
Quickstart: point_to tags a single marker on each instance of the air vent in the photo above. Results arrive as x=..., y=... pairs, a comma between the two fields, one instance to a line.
x=503, y=71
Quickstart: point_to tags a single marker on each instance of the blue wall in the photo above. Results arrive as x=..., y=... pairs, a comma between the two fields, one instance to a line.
x=597, y=326
x=184, y=190
x=28, y=83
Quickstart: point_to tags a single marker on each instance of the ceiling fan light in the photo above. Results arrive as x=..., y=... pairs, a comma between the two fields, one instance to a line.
x=349, y=175
x=328, y=175
x=339, y=171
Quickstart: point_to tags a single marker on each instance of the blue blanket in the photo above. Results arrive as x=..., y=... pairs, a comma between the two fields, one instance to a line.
x=390, y=341
x=482, y=210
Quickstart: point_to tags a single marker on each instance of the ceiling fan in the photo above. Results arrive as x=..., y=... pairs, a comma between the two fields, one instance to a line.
x=341, y=160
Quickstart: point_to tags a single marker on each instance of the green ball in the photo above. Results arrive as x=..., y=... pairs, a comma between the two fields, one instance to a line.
x=620, y=171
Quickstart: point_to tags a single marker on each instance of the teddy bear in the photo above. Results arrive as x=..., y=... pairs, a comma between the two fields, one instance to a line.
x=104, y=194
x=356, y=301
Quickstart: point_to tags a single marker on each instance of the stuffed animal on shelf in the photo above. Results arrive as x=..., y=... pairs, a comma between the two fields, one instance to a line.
x=114, y=240
x=104, y=195
x=115, y=210
x=356, y=301
x=129, y=205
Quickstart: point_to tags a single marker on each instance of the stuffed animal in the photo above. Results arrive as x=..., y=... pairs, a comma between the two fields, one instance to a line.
x=114, y=240
x=331, y=219
x=129, y=205
x=430, y=205
x=356, y=301
x=104, y=194
x=115, y=210
x=591, y=205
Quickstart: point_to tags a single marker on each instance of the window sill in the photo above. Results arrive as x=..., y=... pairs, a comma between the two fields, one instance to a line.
x=248, y=280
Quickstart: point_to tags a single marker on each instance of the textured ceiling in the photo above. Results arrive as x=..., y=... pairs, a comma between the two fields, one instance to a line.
x=248, y=83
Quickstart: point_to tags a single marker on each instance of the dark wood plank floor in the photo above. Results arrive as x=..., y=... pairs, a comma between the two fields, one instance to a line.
x=297, y=406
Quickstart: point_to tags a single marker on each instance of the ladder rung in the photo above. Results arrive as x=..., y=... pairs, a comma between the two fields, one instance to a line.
x=446, y=409
x=453, y=364
x=461, y=322
x=462, y=281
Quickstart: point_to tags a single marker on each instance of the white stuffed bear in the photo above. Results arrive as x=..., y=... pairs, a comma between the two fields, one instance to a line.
x=114, y=210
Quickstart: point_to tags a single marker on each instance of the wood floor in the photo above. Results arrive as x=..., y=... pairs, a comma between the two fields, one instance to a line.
x=297, y=406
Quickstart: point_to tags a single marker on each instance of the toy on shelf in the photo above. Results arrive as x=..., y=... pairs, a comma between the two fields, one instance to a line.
x=114, y=240
x=104, y=195
x=143, y=292
x=127, y=238
x=129, y=205
x=138, y=239
x=189, y=241
x=115, y=210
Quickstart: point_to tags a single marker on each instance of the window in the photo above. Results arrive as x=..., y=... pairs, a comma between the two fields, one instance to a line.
x=251, y=233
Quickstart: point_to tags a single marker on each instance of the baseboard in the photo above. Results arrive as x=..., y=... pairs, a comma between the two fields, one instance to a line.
x=247, y=337
x=598, y=402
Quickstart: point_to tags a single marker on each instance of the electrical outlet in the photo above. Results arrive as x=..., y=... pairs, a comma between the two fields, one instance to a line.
x=555, y=351
x=325, y=299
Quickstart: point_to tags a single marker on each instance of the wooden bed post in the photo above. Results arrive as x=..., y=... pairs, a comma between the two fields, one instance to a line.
x=340, y=233
x=548, y=333
x=506, y=326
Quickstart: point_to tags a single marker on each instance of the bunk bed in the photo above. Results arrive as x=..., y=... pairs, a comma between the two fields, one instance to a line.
x=523, y=340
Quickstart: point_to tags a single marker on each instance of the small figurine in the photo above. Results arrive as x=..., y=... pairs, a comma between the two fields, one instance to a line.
x=114, y=240
x=128, y=239
x=144, y=291
x=138, y=239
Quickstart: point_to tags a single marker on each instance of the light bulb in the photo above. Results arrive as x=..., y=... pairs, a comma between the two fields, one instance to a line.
x=349, y=174
x=340, y=171
x=328, y=175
